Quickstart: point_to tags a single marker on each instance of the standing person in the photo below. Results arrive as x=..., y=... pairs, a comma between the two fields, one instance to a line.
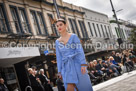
x=35, y=82
x=71, y=60
x=45, y=81
x=3, y=87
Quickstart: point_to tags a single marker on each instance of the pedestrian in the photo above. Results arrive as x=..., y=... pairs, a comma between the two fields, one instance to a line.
x=3, y=87
x=71, y=61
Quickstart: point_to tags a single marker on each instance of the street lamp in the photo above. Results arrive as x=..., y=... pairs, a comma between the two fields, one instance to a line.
x=119, y=39
x=115, y=14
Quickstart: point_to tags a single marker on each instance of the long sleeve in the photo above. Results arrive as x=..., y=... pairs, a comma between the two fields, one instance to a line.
x=79, y=49
x=58, y=57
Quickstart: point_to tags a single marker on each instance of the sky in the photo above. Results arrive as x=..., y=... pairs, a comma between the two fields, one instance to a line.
x=127, y=13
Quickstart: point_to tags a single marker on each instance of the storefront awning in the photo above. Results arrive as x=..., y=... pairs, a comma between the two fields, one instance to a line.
x=10, y=56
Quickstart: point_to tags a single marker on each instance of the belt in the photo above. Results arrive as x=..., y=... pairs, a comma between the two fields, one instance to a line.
x=70, y=73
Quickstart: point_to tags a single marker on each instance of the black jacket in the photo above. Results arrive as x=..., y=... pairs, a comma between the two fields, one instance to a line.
x=36, y=86
x=3, y=87
x=43, y=79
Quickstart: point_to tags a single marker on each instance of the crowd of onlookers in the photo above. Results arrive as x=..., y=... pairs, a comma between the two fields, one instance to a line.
x=38, y=80
x=99, y=70
x=3, y=86
x=112, y=66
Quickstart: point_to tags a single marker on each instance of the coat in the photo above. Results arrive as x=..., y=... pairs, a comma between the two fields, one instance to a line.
x=70, y=56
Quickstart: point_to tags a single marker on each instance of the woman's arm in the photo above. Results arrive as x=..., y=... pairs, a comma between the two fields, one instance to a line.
x=80, y=50
x=58, y=57
x=81, y=56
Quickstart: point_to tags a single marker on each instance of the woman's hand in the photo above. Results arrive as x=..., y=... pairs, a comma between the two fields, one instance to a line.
x=83, y=70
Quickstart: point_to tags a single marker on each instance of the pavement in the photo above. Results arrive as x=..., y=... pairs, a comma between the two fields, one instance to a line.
x=125, y=82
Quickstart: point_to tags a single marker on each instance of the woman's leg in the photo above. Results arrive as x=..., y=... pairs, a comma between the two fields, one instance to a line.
x=70, y=87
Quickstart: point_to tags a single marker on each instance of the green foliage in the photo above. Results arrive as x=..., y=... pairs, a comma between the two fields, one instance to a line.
x=114, y=21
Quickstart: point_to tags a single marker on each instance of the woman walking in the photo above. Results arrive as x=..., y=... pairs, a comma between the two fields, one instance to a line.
x=71, y=60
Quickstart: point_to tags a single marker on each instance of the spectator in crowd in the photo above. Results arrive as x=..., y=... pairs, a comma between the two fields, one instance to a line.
x=114, y=69
x=114, y=55
x=95, y=76
x=133, y=52
x=132, y=57
x=99, y=67
x=103, y=58
x=45, y=81
x=112, y=60
x=92, y=71
x=35, y=82
x=95, y=62
x=118, y=58
x=124, y=59
x=129, y=64
x=110, y=66
x=3, y=87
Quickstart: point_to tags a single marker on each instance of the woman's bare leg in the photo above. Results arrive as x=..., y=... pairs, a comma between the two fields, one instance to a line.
x=70, y=87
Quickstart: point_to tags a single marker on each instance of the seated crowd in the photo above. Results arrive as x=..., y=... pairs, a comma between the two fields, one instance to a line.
x=106, y=68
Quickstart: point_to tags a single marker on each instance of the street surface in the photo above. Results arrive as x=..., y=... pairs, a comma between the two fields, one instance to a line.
x=125, y=82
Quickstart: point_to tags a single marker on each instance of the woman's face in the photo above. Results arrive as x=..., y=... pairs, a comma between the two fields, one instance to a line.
x=61, y=27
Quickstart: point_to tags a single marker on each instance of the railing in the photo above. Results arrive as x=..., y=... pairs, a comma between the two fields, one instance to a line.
x=29, y=88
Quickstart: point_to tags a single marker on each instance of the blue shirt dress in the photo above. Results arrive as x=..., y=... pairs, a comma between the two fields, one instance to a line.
x=69, y=59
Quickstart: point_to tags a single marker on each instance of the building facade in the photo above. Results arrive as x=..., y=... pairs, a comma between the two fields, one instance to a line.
x=125, y=29
x=30, y=23
x=99, y=32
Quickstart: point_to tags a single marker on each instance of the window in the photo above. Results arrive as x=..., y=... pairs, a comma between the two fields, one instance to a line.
x=20, y=22
x=90, y=28
x=94, y=29
x=52, y=25
x=35, y=23
x=123, y=36
x=3, y=26
x=120, y=33
x=83, y=29
x=117, y=32
x=15, y=20
x=41, y=23
x=99, y=30
x=24, y=22
x=103, y=31
x=106, y=31
x=10, y=74
x=74, y=27
x=110, y=32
